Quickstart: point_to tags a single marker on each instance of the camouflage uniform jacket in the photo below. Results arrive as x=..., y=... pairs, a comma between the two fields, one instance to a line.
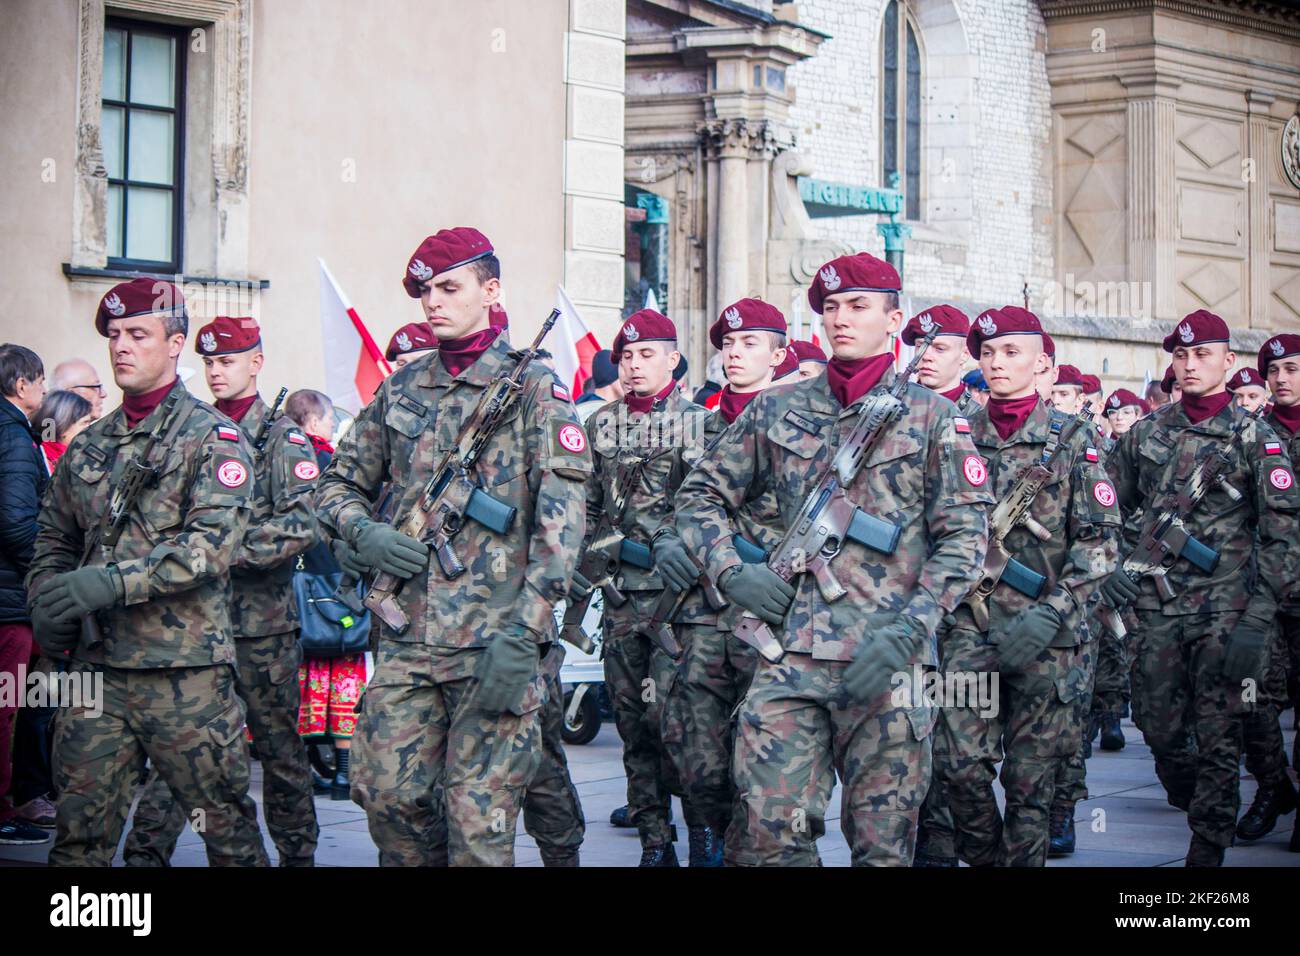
x=923, y=474
x=281, y=526
x=1289, y=602
x=670, y=439
x=175, y=552
x=1077, y=504
x=1152, y=464
x=535, y=461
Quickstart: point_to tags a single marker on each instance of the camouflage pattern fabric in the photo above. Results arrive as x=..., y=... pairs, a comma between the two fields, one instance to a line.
x=552, y=811
x=1263, y=747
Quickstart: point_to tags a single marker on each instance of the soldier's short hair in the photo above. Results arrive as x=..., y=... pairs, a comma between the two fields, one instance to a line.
x=489, y=267
x=175, y=323
x=17, y=361
x=305, y=403
x=891, y=301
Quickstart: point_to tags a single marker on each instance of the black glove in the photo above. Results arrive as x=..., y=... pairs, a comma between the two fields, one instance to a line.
x=73, y=594
x=579, y=588
x=760, y=591
x=673, y=564
x=54, y=639
x=508, y=664
x=884, y=652
x=1244, y=656
x=1028, y=633
x=381, y=546
x=1119, y=589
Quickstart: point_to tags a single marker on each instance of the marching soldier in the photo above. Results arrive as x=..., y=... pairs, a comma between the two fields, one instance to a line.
x=263, y=614
x=140, y=524
x=1199, y=650
x=1249, y=389
x=448, y=732
x=824, y=706
x=1036, y=643
x=412, y=341
x=812, y=360
x=647, y=441
x=1067, y=392
x=1279, y=366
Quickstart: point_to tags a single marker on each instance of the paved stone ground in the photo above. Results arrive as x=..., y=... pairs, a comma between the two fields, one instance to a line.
x=1135, y=826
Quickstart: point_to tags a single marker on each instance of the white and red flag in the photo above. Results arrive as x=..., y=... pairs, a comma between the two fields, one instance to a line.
x=573, y=345
x=354, y=364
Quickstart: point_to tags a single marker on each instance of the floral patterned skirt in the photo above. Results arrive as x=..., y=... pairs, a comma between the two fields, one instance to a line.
x=330, y=689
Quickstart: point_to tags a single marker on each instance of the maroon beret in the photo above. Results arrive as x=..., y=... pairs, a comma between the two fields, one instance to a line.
x=1091, y=384
x=1279, y=346
x=1167, y=381
x=1069, y=375
x=862, y=272
x=789, y=366
x=808, y=351
x=445, y=250
x=227, y=336
x=644, y=326
x=141, y=296
x=1121, y=398
x=995, y=323
x=1197, y=328
x=747, y=315
x=1049, y=346
x=950, y=320
x=414, y=337
x=1245, y=377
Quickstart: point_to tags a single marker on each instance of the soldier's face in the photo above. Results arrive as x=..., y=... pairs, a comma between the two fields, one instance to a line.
x=749, y=358
x=1122, y=419
x=810, y=369
x=406, y=358
x=1010, y=364
x=647, y=368
x=941, y=364
x=456, y=303
x=1250, y=397
x=1067, y=399
x=1202, y=369
x=859, y=324
x=232, y=376
x=142, y=354
x=1284, y=380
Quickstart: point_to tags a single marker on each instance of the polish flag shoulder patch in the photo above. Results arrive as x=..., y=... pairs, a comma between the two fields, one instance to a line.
x=572, y=438
x=559, y=391
x=1104, y=492
x=226, y=433
x=961, y=424
x=1091, y=454
x=975, y=470
x=1281, y=479
x=1272, y=448
x=298, y=438
x=306, y=470
x=232, y=473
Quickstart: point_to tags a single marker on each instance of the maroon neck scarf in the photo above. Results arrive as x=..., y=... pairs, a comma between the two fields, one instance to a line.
x=137, y=407
x=236, y=408
x=643, y=403
x=731, y=404
x=850, y=379
x=1200, y=407
x=457, y=355
x=1008, y=414
x=1289, y=416
x=955, y=393
x=320, y=444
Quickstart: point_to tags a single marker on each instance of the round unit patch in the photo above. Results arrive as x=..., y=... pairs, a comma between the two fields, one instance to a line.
x=1280, y=479
x=572, y=438
x=232, y=473
x=306, y=470
x=976, y=471
x=1104, y=493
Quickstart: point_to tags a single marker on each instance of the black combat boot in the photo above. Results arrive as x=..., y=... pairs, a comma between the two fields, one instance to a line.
x=660, y=854
x=341, y=785
x=1204, y=853
x=1269, y=804
x=706, y=846
x=620, y=818
x=1061, y=831
x=1112, y=735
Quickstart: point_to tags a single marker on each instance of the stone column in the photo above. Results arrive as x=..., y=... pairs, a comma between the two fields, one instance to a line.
x=1258, y=251
x=730, y=141
x=1152, y=214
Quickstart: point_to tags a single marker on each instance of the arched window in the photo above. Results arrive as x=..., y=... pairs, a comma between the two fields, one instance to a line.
x=900, y=128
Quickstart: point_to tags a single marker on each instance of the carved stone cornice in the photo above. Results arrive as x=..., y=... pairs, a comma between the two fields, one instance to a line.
x=741, y=137
x=1261, y=15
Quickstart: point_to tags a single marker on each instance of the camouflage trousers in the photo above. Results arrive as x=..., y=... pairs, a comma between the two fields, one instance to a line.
x=1191, y=716
x=1289, y=624
x=189, y=723
x=1111, y=693
x=639, y=677
x=266, y=680
x=935, y=837
x=1072, y=777
x=1035, y=729
x=1265, y=750
x=441, y=780
x=552, y=811
x=797, y=730
x=698, y=725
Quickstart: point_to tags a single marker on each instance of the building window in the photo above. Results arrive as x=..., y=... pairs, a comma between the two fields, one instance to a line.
x=143, y=127
x=900, y=139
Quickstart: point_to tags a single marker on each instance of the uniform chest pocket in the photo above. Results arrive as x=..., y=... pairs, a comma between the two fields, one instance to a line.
x=406, y=421
x=1051, y=507
x=165, y=505
x=793, y=465
x=1157, y=468
x=895, y=472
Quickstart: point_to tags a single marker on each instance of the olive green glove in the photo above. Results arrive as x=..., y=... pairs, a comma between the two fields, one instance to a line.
x=884, y=652
x=348, y=559
x=1119, y=589
x=759, y=590
x=508, y=665
x=579, y=588
x=1245, y=654
x=54, y=639
x=73, y=594
x=673, y=564
x=1028, y=633
x=381, y=546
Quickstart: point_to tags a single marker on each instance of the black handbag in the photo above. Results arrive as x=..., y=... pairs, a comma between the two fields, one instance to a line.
x=326, y=626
